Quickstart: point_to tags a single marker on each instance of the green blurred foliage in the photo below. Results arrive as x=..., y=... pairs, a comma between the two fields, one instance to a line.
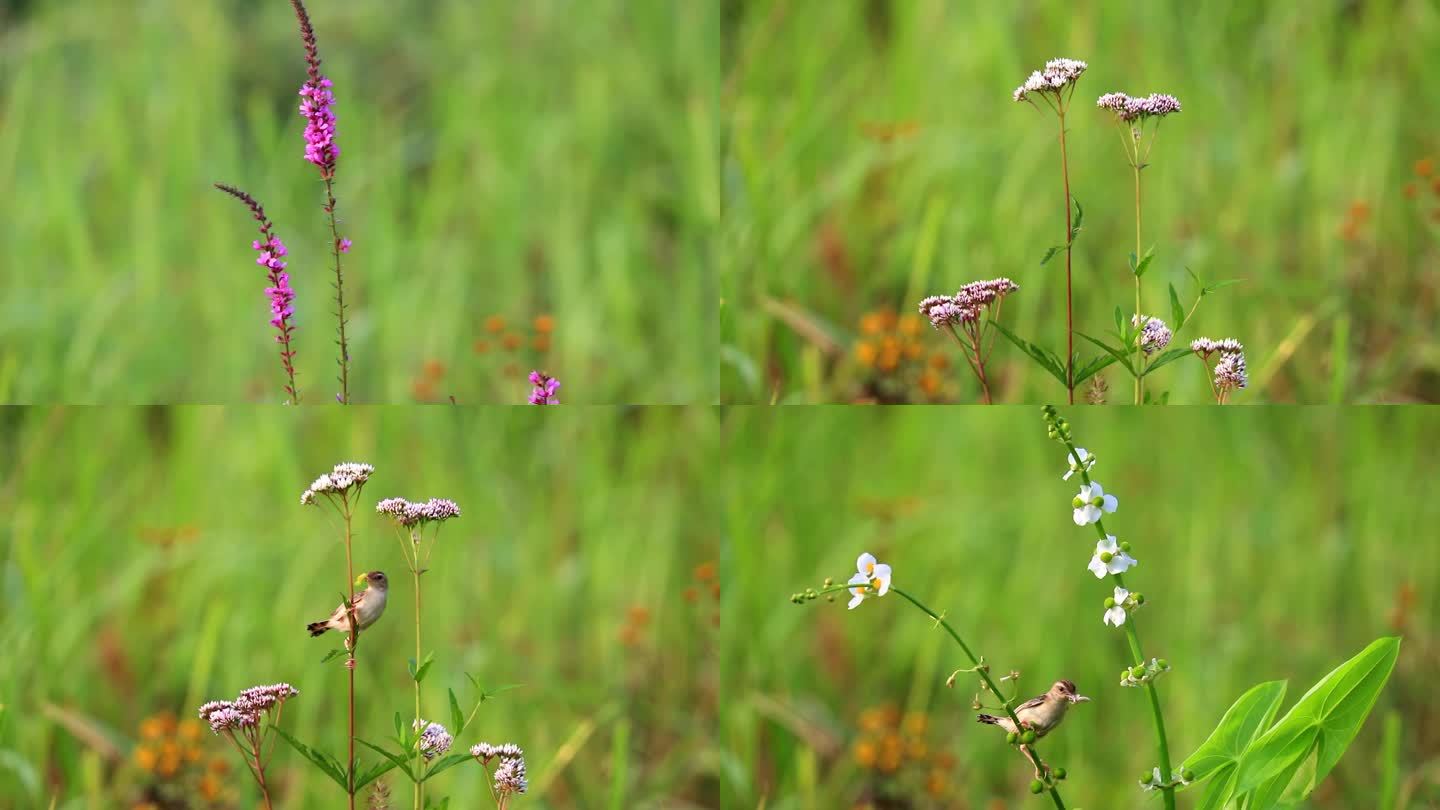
x=875, y=156
x=154, y=559
x=1272, y=544
x=546, y=157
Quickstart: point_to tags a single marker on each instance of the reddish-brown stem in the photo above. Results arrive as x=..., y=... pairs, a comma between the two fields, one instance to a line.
x=354, y=634
x=339, y=290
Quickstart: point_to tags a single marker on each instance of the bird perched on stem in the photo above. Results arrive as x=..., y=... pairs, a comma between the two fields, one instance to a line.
x=1038, y=714
x=367, y=604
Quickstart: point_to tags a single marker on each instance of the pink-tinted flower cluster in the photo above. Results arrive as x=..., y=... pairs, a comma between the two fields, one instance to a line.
x=1128, y=108
x=544, y=390
x=1229, y=371
x=341, y=478
x=317, y=106
x=510, y=773
x=967, y=303
x=1154, y=334
x=435, y=510
x=246, y=710
x=281, y=295
x=1057, y=74
x=435, y=740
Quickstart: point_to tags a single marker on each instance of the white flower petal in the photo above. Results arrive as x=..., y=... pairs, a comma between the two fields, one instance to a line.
x=1066, y=476
x=1121, y=595
x=1115, y=616
x=1110, y=503
x=1080, y=516
x=1098, y=568
x=855, y=601
x=1096, y=491
x=882, y=579
x=858, y=579
x=1121, y=563
x=865, y=563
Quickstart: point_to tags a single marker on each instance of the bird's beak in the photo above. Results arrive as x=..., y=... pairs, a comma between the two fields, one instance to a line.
x=1079, y=699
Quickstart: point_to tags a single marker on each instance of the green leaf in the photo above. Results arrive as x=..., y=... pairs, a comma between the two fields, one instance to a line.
x=1220, y=285
x=1050, y=254
x=1090, y=369
x=445, y=764
x=1110, y=350
x=1045, y=359
x=399, y=761
x=328, y=765
x=499, y=690
x=457, y=717
x=1079, y=218
x=1323, y=722
x=1167, y=357
x=399, y=727
x=331, y=656
x=1119, y=320
x=418, y=675
x=1139, y=269
x=1245, y=720
x=380, y=769
x=1177, y=312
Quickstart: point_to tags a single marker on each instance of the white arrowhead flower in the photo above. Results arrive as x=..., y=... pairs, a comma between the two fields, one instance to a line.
x=1115, y=610
x=1089, y=503
x=871, y=579
x=1086, y=462
x=1109, y=558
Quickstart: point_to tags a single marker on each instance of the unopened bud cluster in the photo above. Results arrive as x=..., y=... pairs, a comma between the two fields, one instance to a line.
x=1141, y=674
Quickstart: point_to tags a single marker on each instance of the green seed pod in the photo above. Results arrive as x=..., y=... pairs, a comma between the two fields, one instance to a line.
x=1109, y=602
x=1037, y=787
x=1146, y=777
x=1012, y=738
x=1106, y=556
x=1137, y=671
x=1059, y=773
x=1139, y=598
x=1125, y=546
x=1162, y=663
x=1188, y=775
x=1028, y=737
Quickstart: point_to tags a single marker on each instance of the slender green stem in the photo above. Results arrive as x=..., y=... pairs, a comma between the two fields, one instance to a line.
x=419, y=786
x=1139, y=351
x=984, y=674
x=1133, y=636
x=339, y=292
x=1069, y=249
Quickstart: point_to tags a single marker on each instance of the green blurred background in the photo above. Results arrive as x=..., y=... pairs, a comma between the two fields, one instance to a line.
x=1272, y=544
x=153, y=559
x=874, y=156
x=498, y=159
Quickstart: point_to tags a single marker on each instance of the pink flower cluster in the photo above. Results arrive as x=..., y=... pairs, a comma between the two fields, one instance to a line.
x=966, y=304
x=1127, y=108
x=245, y=711
x=316, y=106
x=435, y=510
x=545, y=389
x=282, y=296
x=1058, y=73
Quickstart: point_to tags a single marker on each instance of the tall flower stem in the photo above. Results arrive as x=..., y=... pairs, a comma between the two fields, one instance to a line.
x=1133, y=636
x=1069, y=249
x=339, y=291
x=419, y=762
x=354, y=634
x=1139, y=351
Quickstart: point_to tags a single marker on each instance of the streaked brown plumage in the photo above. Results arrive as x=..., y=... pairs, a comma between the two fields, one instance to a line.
x=1039, y=714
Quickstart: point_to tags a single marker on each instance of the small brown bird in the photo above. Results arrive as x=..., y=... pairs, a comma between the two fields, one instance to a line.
x=369, y=604
x=1039, y=714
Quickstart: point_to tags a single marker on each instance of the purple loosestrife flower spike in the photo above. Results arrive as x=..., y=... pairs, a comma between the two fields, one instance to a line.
x=280, y=293
x=316, y=105
x=545, y=389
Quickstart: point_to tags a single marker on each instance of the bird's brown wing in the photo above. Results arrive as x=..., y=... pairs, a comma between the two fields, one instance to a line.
x=357, y=598
x=1031, y=703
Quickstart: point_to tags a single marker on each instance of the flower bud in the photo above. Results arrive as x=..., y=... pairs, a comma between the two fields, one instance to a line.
x=1037, y=787
x=1059, y=773
x=1028, y=737
x=829, y=581
x=1145, y=778
x=1162, y=663
x=1076, y=502
x=1188, y=775
x=1137, y=671
x=1097, y=500
x=1109, y=602
x=1125, y=546
x=1012, y=738
x=1139, y=598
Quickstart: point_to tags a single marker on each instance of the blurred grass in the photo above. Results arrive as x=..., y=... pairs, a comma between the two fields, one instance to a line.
x=152, y=559
x=1273, y=543
x=519, y=159
x=874, y=155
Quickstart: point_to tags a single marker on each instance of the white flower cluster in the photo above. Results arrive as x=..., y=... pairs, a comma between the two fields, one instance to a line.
x=1141, y=674
x=510, y=773
x=435, y=740
x=1129, y=108
x=1154, y=334
x=344, y=476
x=1057, y=74
x=1230, y=370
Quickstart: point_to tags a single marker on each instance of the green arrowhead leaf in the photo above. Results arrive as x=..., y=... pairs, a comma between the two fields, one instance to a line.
x=1325, y=720
x=1246, y=718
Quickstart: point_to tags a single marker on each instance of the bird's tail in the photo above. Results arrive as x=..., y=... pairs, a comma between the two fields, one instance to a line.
x=987, y=719
x=317, y=628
